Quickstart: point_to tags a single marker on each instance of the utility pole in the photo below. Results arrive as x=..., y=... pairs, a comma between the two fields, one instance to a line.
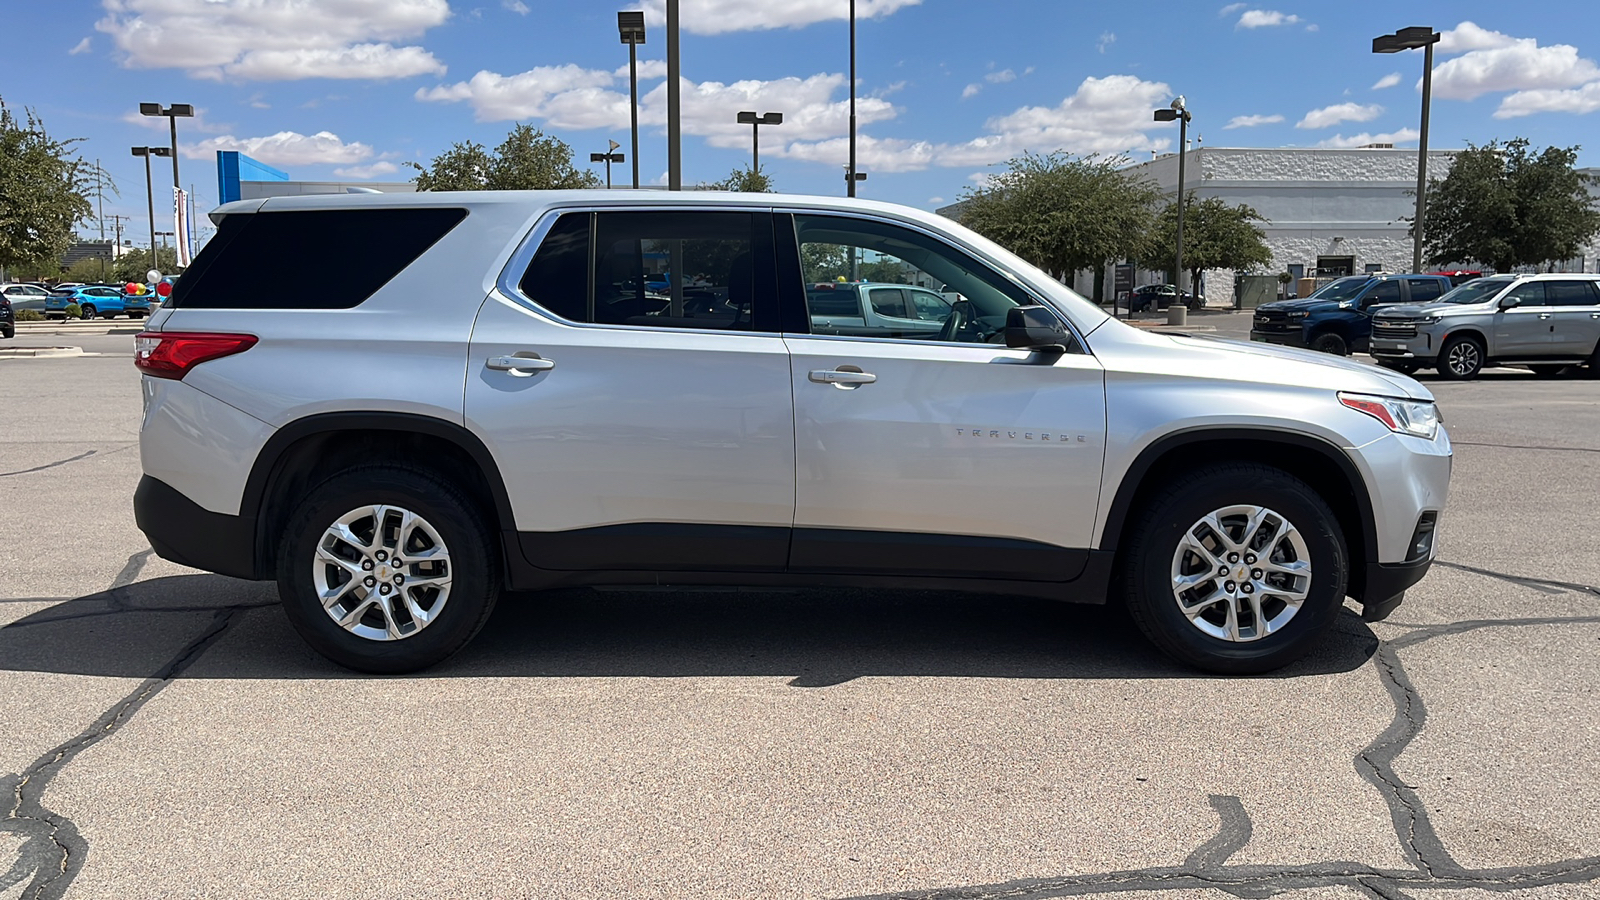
x=100, y=194
x=116, y=224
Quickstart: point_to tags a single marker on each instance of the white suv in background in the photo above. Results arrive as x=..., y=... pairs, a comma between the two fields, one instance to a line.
x=507, y=390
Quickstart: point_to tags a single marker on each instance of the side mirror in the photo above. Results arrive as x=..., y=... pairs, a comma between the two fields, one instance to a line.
x=1036, y=328
x=1510, y=302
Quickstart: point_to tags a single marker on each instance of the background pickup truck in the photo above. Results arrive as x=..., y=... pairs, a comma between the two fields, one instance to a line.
x=889, y=310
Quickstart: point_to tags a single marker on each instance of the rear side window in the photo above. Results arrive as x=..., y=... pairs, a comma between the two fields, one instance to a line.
x=1572, y=293
x=340, y=257
x=558, y=277
x=1424, y=290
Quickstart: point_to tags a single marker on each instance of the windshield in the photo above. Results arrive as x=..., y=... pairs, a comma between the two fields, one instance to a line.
x=1476, y=290
x=1343, y=289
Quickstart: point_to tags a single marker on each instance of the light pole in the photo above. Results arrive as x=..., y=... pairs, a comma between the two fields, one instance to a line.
x=1178, y=110
x=149, y=192
x=850, y=174
x=674, y=121
x=1410, y=39
x=608, y=158
x=755, y=122
x=173, y=114
x=630, y=26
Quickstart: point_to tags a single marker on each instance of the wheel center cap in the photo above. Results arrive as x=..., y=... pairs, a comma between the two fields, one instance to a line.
x=383, y=571
x=1243, y=574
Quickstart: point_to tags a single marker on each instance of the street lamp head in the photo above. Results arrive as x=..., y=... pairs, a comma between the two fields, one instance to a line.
x=160, y=151
x=1412, y=38
x=630, y=26
x=149, y=109
x=748, y=118
x=1166, y=115
x=141, y=151
x=772, y=119
x=181, y=110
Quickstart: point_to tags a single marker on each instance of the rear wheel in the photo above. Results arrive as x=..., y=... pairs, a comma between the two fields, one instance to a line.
x=9, y=331
x=1330, y=343
x=388, y=570
x=1461, y=358
x=1237, y=569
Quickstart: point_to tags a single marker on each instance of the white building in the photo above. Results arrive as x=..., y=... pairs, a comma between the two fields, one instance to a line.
x=1329, y=211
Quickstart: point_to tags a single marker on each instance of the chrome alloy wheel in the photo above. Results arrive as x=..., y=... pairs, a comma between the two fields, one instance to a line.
x=382, y=572
x=1241, y=573
x=1463, y=359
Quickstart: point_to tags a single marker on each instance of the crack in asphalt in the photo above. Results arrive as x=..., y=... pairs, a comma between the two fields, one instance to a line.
x=1435, y=869
x=1521, y=579
x=53, y=852
x=1456, y=443
x=71, y=459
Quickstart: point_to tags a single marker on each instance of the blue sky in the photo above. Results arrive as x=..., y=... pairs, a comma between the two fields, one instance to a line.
x=329, y=89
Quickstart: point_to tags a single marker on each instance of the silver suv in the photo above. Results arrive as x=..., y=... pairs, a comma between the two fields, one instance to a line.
x=1546, y=322
x=483, y=391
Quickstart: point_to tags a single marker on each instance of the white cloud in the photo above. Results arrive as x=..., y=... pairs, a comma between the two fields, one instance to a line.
x=1104, y=115
x=286, y=148
x=649, y=70
x=1522, y=65
x=1313, y=27
x=275, y=39
x=721, y=16
x=1468, y=36
x=1339, y=112
x=1525, y=103
x=971, y=90
x=935, y=199
x=1265, y=18
x=574, y=97
x=1107, y=38
x=1251, y=121
x=516, y=6
x=1404, y=135
x=372, y=171
x=1387, y=81
x=80, y=47
x=1000, y=77
x=1230, y=9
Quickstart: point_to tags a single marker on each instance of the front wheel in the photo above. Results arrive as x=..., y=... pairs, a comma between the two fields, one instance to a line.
x=86, y=313
x=386, y=569
x=1237, y=569
x=1461, y=358
x=1330, y=343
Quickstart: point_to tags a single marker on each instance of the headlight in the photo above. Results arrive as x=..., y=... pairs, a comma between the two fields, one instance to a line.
x=1419, y=418
x=1426, y=320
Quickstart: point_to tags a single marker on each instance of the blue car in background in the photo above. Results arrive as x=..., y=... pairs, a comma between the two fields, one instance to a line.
x=1337, y=317
x=96, y=301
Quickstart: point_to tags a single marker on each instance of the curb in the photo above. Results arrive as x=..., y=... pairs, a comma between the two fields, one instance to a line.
x=41, y=352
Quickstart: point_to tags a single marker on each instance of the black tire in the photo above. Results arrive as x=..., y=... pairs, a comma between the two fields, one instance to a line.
x=8, y=331
x=1330, y=343
x=86, y=313
x=1404, y=368
x=1548, y=371
x=1461, y=358
x=1147, y=559
x=474, y=568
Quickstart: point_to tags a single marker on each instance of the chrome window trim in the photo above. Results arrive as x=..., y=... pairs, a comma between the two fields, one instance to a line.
x=508, y=284
x=1026, y=288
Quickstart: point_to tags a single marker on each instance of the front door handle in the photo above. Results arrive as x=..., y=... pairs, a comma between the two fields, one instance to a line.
x=842, y=377
x=1544, y=315
x=525, y=363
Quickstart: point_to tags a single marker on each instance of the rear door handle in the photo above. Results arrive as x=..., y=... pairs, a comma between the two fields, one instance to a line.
x=521, y=363
x=841, y=377
x=1544, y=315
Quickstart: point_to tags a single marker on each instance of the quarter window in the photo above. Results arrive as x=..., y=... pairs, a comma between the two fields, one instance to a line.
x=917, y=287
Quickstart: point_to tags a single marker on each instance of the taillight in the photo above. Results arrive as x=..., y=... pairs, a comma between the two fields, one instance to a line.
x=171, y=354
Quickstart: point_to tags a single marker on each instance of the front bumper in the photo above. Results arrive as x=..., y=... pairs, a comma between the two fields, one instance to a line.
x=1420, y=348
x=1296, y=338
x=1386, y=586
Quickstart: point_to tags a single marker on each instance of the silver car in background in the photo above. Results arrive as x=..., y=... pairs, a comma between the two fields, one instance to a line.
x=1545, y=322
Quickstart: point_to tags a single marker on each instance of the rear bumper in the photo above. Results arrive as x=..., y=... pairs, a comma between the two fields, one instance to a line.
x=183, y=532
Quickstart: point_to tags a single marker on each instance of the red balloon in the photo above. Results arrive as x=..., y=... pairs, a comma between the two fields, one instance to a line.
x=129, y=288
x=164, y=288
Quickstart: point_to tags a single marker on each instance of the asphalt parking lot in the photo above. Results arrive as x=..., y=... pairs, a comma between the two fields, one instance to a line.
x=167, y=735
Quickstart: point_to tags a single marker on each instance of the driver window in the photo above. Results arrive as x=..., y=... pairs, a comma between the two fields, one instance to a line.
x=917, y=287
x=1384, y=292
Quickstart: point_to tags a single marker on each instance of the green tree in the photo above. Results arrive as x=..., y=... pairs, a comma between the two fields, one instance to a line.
x=824, y=262
x=527, y=160
x=1215, y=236
x=744, y=179
x=43, y=189
x=1064, y=213
x=1506, y=206
x=89, y=270
x=133, y=264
